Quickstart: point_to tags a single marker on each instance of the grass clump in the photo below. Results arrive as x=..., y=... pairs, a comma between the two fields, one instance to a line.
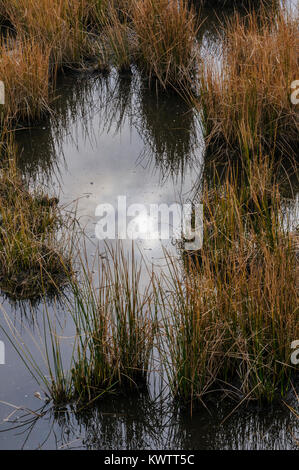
x=46, y=36
x=34, y=259
x=114, y=332
x=233, y=313
x=58, y=24
x=158, y=36
x=115, y=326
x=245, y=101
x=119, y=39
x=166, y=35
x=24, y=65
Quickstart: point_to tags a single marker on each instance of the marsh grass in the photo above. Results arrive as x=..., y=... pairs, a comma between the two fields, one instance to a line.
x=24, y=67
x=119, y=38
x=114, y=324
x=166, y=36
x=222, y=321
x=58, y=24
x=47, y=36
x=115, y=321
x=229, y=313
x=233, y=311
x=245, y=98
x=160, y=37
x=34, y=258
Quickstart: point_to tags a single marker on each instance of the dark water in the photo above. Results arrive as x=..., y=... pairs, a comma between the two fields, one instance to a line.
x=110, y=137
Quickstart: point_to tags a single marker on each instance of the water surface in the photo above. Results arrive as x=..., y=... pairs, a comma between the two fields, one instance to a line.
x=110, y=137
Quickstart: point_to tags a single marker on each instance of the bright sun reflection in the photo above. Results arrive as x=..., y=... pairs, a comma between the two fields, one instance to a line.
x=143, y=225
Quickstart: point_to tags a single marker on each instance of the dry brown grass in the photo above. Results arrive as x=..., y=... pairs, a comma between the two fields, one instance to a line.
x=34, y=259
x=232, y=315
x=25, y=69
x=47, y=35
x=58, y=24
x=166, y=35
x=116, y=320
x=118, y=37
x=245, y=101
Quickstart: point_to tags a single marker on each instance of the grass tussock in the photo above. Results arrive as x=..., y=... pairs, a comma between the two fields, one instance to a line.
x=25, y=68
x=116, y=327
x=233, y=314
x=58, y=24
x=46, y=36
x=119, y=38
x=166, y=35
x=245, y=101
x=34, y=261
x=157, y=36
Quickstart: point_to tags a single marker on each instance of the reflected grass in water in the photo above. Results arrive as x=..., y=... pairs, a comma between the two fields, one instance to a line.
x=141, y=422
